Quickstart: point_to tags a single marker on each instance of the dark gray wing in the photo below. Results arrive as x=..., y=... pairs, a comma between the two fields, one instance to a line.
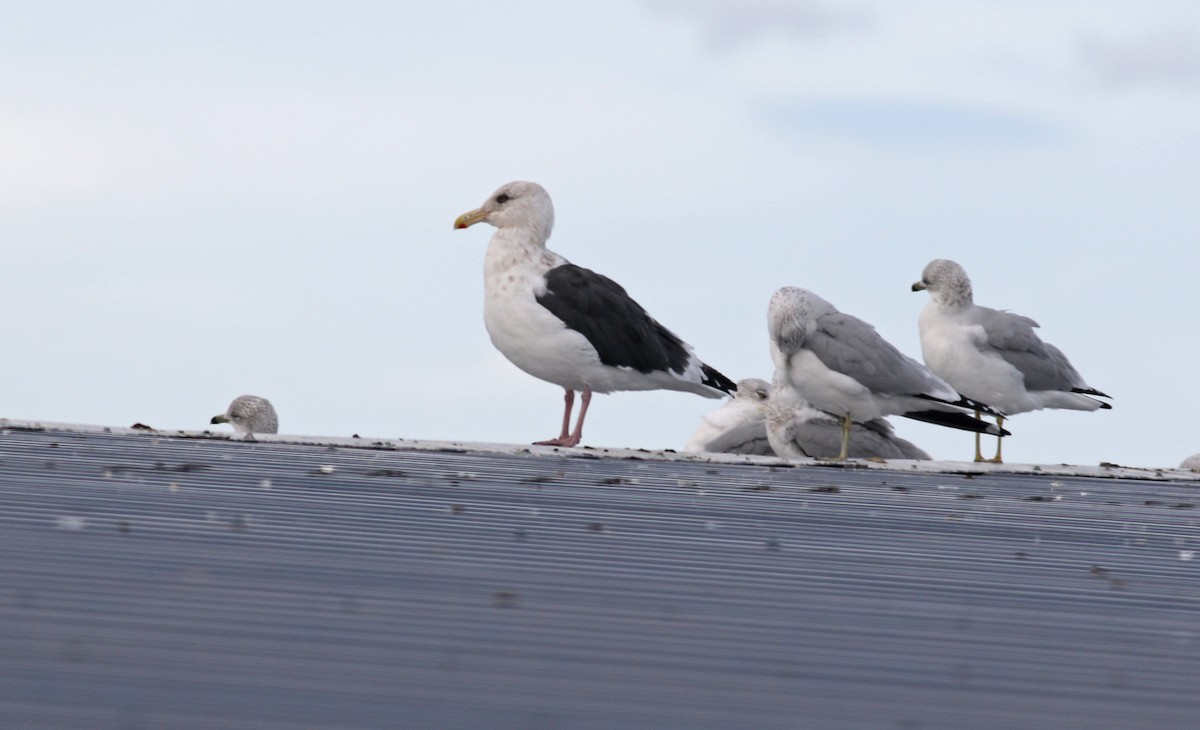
x=623, y=334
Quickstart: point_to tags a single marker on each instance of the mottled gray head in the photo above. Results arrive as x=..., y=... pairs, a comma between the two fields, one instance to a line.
x=788, y=318
x=514, y=205
x=946, y=281
x=250, y=414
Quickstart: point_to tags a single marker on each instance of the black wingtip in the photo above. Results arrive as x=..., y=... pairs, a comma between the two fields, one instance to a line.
x=1090, y=391
x=962, y=402
x=954, y=419
x=711, y=377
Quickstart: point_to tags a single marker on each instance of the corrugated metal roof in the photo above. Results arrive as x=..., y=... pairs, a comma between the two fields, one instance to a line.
x=168, y=580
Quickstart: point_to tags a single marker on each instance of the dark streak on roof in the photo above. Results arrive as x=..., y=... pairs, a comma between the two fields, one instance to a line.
x=161, y=581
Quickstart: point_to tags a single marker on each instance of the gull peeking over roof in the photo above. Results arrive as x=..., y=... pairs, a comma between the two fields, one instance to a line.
x=568, y=325
x=250, y=414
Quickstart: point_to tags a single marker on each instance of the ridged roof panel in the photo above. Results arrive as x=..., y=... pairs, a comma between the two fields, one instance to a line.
x=153, y=580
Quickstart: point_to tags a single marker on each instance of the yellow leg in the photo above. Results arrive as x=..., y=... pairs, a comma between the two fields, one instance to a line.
x=999, y=441
x=847, y=424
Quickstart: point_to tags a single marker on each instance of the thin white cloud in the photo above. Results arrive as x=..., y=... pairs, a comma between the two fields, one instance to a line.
x=729, y=24
x=43, y=160
x=913, y=124
x=1164, y=58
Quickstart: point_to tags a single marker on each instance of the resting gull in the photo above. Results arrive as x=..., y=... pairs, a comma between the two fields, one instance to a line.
x=568, y=325
x=839, y=364
x=994, y=356
x=250, y=414
x=795, y=430
x=739, y=425
x=1192, y=462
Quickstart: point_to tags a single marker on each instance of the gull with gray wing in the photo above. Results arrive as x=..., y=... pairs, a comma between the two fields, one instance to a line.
x=994, y=356
x=839, y=364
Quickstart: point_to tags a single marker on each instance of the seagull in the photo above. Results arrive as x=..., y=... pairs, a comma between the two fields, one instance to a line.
x=250, y=414
x=796, y=430
x=1192, y=462
x=739, y=426
x=994, y=356
x=568, y=325
x=839, y=364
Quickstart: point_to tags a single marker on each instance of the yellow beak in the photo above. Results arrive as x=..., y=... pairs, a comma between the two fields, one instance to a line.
x=469, y=219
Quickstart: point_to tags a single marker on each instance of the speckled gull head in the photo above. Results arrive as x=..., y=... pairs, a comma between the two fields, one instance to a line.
x=788, y=317
x=520, y=205
x=947, y=282
x=250, y=414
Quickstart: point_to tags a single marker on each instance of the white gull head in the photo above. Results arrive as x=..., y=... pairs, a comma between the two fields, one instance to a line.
x=519, y=205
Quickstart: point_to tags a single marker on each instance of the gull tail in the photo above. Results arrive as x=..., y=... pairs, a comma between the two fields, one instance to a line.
x=956, y=419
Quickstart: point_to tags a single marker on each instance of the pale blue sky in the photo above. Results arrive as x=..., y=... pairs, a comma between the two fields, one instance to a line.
x=199, y=200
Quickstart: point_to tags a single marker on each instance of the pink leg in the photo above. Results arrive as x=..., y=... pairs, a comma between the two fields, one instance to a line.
x=563, y=439
x=586, y=398
x=573, y=439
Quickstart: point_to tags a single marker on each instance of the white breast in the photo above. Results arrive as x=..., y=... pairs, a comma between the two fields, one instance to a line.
x=524, y=331
x=825, y=389
x=951, y=348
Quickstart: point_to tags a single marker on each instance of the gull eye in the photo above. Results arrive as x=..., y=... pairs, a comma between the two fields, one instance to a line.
x=503, y=198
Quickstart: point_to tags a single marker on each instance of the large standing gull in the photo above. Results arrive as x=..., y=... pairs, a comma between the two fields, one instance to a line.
x=994, y=356
x=839, y=364
x=739, y=426
x=250, y=414
x=795, y=430
x=568, y=325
